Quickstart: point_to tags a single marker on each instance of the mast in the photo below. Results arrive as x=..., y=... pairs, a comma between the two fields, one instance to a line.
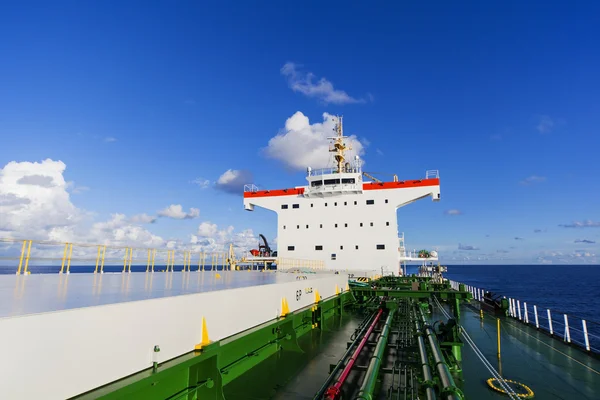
x=339, y=147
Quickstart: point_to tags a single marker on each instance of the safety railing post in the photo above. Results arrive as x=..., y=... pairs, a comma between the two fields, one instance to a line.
x=585, y=335
x=153, y=256
x=27, y=258
x=519, y=309
x=537, y=323
x=69, y=259
x=567, y=332
x=22, y=255
x=97, y=260
x=130, y=257
x=102, y=263
x=125, y=259
x=550, y=322
x=525, y=312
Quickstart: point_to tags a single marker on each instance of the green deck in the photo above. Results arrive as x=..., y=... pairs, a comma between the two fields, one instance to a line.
x=291, y=357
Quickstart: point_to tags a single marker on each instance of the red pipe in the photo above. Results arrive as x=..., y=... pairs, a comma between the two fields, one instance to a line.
x=334, y=391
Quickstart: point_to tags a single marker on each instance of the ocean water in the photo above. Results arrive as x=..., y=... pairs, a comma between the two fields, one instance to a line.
x=564, y=289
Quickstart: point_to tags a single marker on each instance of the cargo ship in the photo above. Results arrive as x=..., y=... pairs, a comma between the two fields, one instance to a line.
x=333, y=316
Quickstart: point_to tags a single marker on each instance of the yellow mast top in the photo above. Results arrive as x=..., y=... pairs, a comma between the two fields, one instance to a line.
x=339, y=147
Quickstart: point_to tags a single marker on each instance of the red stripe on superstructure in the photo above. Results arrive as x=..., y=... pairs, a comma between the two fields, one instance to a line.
x=400, y=185
x=273, y=193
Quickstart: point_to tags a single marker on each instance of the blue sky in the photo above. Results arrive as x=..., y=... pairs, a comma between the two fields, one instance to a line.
x=139, y=100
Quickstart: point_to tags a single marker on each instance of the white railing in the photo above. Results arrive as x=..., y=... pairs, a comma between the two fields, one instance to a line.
x=432, y=174
x=328, y=171
x=342, y=187
x=250, y=188
x=567, y=330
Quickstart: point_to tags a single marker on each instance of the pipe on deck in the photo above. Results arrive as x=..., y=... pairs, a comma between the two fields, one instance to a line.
x=368, y=386
x=365, y=325
x=449, y=389
x=427, y=375
x=334, y=391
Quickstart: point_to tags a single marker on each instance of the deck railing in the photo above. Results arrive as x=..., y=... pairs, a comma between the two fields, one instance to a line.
x=37, y=256
x=571, y=329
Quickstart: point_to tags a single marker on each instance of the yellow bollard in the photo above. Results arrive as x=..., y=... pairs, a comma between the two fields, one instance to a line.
x=62, y=267
x=125, y=259
x=148, y=263
x=27, y=258
x=130, y=257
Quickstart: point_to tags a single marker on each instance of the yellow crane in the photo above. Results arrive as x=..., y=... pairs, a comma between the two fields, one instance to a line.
x=378, y=180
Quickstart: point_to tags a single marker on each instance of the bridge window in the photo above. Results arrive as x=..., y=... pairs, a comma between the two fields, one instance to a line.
x=361, y=224
x=291, y=248
x=332, y=181
x=316, y=183
x=371, y=224
x=306, y=226
x=318, y=247
x=345, y=203
x=295, y=205
x=333, y=256
x=341, y=247
x=345, y=225
x=381, y=247
x=356, y=247
x=284, y=227
x=335, y=204
x=387, y=223
x=355, y=203
x=386, y=201
x=297, y=226
x=348, y=180
x=311, y=204
x=325, y=204
x=284, y=206
x=320, y=225
x=370, y=202
x=336, y=225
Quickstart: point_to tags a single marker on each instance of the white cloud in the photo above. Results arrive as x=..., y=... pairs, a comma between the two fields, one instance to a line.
x=545, y=124
x=34, y=199
x=110, y=139
x=203, y=183
x=233, y=181
x=533, y=179
x=467, y=247
x=175, y=211
x=206, y=229
x=322, y=89
x=142, y=219
x=453, y=212
x=119, y=231
x=302, y=144
x=582, y=224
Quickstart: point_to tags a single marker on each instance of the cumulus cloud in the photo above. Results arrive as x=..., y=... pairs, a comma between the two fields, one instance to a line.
x=582, y=224
x=175, y=211
x=302, y=144
x=119, y=231
x=467, y=247
x=206, y=229
x=321, y=89
x=586, y=241
x=533, y=179
x=453, y=212
x=233, y=181
x=34, y=199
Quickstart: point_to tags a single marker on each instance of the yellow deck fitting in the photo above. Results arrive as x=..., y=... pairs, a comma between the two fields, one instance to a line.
x=347, y=287
x=217, y=275
x=205, y=340
x=337, y=289
x=317, y=297
x=285, y=308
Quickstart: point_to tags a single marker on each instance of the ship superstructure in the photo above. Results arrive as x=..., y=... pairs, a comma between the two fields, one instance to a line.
x=338, y=218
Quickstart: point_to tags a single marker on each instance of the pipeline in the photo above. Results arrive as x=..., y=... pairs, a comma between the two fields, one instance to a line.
x=368, y=386
x=362, y=329
x=427, y=376
x=334, y=391
x=449, y=389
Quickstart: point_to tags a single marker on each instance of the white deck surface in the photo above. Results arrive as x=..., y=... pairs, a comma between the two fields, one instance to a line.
x=37, y=293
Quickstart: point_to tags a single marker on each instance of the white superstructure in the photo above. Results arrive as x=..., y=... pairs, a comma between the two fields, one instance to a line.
x=338, y=218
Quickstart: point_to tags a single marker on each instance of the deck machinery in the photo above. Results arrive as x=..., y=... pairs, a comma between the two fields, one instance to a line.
x=394, y=352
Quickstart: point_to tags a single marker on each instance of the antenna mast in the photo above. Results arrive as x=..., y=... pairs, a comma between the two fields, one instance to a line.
x=339, y=147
